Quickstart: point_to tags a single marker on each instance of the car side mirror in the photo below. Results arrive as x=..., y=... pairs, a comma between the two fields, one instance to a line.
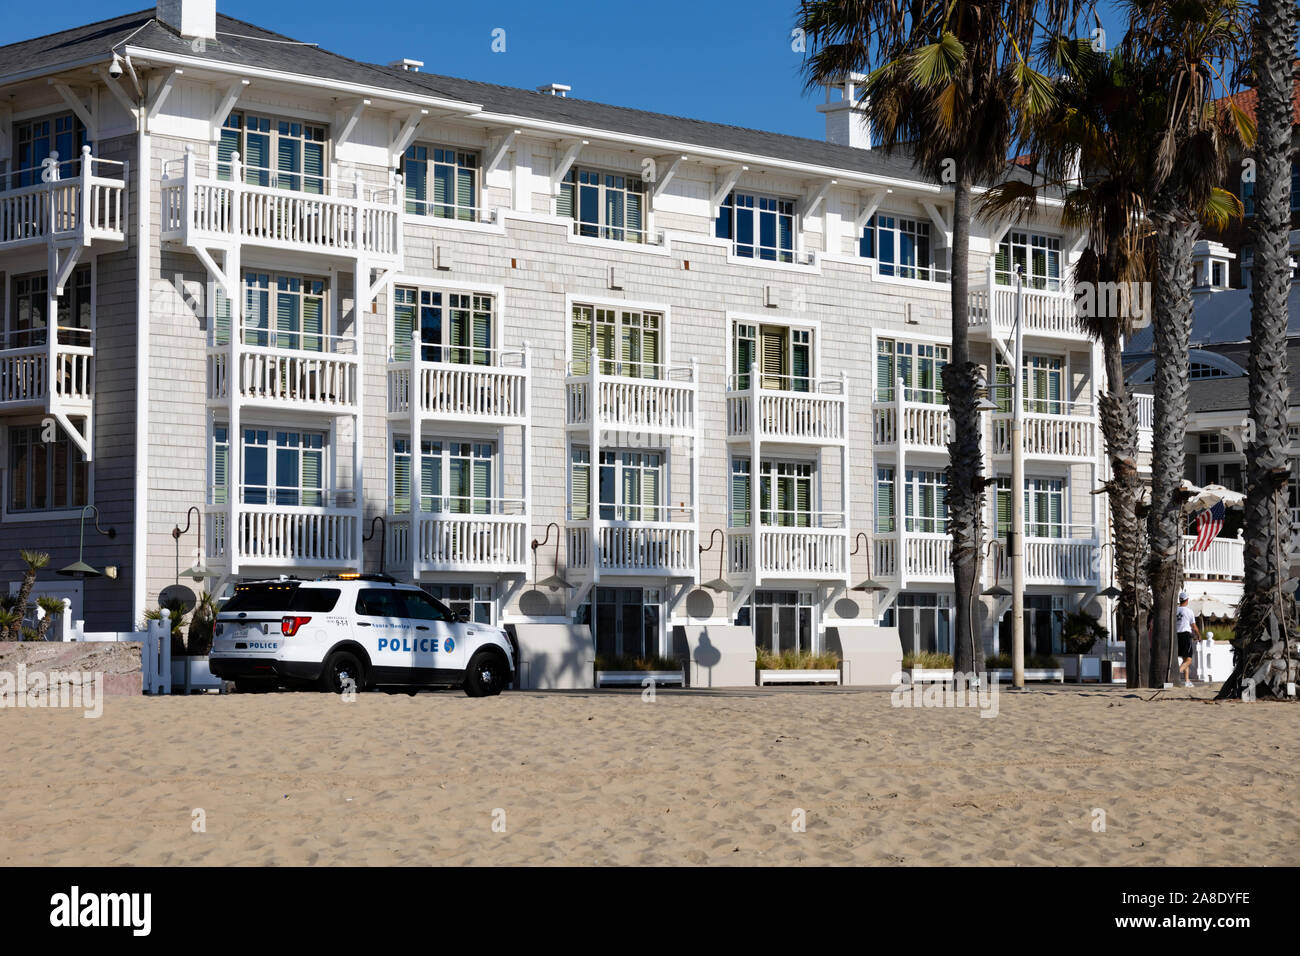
x=463, y=616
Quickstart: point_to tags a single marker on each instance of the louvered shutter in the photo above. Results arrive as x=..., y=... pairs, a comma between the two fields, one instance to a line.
x=1002, y=381
x=580, y=486
x=461, y=331
x=416, y=176
x=581, y=352
x=605, y=344
x=220, y=472
x=312, y=461
x=256, y=304
x=442, y=190
x=403, y=323
x=635, y=227
x=482, y=330
x=220, y=318
x=564, y=202
x=1003, y=507
x=744, y=358
x=313, y=168
x=288, y=163
x=286, y=321
x=464, y=193
x=885, y=370
x=773, y=351
x=740, y=500
x=940, y=504
x=1054, y=515
x=801, y=367
x=401, y=477
x=630, y=492
x=650, y=488
x=1002, y=263
x=482, y=486
x=885, y=500
x=650, y=351
x=803, y=502
x=313, y=323
x=227, y=146
x=431, y=479
x=630, y=348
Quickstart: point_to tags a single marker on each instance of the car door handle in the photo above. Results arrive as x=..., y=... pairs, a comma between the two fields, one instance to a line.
x=363, y=624
x=420, y=627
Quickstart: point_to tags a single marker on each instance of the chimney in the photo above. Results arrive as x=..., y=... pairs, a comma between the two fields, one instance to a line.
x=192, y=19
x=846, y=124
x=555, y=89
x=407, y=64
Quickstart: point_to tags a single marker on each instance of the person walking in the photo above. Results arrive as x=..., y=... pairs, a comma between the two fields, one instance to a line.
x=1185, y=626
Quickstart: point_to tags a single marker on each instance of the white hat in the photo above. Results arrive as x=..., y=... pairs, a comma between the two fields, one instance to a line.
x=1182, y=596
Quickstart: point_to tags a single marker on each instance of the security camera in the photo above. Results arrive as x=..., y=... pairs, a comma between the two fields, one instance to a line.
x=115, y=68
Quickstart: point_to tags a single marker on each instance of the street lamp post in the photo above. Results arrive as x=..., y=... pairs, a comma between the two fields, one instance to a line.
x=1017, y=531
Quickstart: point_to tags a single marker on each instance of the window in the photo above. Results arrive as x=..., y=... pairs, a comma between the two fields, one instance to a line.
x=759, y=227
x=454, y=326
x=627, y=342
x=281, y=153
x=925, y=499
x=919, y=365
x=45, y=476
x=33, y=142
x=381, y=602
x=1038, y=256
x=741, y=504
x=783, y=621
x=1205, y=370
x=283, y=467
x=631, y=485
x=783, y=357
x=1044, y=507
x=901, y=247
x=1212, y=443
x=785, y=493
x=1041, y=382
x=455, y=476
x=299, y=317
x=885, y=507
x=220, y=465
x=473, y=600
x=603, y=205
x=27, y=326
x=441, y=182
x=421, y=606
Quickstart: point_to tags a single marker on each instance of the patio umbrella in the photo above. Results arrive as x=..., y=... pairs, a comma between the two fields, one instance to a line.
x=1206, y=606
x=1198, y=498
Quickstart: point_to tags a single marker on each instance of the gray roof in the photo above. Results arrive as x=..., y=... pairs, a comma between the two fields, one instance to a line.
x=1232, y=394
x=1219, y=318
x=243, y=43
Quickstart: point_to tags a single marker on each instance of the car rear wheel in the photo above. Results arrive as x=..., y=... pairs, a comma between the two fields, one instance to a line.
x=342, y=672
x=486, y=674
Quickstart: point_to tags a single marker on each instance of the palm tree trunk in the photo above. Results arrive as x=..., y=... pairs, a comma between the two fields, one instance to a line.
x=965, y=463
x=1128, y=538
x=1176, y=231
x=1267, y=467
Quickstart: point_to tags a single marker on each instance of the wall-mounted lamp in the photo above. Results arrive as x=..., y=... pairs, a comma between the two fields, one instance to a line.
x=555, y=580
x=719, y=583
x=81, y=568
x=198, y=571
x=870, y=584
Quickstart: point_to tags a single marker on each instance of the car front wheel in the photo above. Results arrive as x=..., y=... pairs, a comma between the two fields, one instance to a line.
x=342, y=672
x=486, y=674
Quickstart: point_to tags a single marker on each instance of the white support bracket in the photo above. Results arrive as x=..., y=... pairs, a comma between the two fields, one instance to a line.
x=131, y=106
x=728, y=177
x=571, y=148
x=739, y=598
x=814, y=196
x=346, y=121
x=579, y=597
x=1000, y=229
x=374, y=288
x=665, y=176
x=80, y=440
x=83, y=112
x=227, y=103
x=59, y=271
x=942, y=223
x=885, y=601
x=870, y=203
x=228, y=283
x=160, y=95
x=405, y=136
x=497, y=151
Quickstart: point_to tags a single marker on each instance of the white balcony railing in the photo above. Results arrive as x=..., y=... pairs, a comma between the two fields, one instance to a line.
x=928, y=557
x=26, y=382
x=1070, y=434
x=1045, y=313
x=663, y=402
x=815, y=553
x=285, y=536
x=203, y=202
x=816, y=413
x=1224, y=560
x=1146, y=417
x=79, y=200
x=924, y=425
x=445, y=541
x=322, y=379
x=489, y=385
x=655, y=548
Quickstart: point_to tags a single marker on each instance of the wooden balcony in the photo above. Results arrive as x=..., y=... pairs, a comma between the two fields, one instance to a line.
x=447, y=541
x=322, y=378
x=665, y=548
x=815, y=553
x=813, y=413
x=215, y=205
x=659, y=400
x=70, y=203
x=481, y=385
x=26, y=382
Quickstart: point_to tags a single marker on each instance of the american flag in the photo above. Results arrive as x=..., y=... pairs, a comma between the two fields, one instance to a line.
x=1208, y=525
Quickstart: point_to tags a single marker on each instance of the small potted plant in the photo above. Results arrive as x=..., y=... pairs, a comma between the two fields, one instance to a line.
x=1079, y=633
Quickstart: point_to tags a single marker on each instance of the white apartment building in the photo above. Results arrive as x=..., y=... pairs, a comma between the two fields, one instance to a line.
x=363, y=317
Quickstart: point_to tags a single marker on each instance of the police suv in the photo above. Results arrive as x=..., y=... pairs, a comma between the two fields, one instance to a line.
x=353, y=631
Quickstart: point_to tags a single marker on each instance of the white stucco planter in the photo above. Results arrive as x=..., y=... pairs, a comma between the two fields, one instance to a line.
x=929, y=675
x=1051, y=674
x=819, y=675
x=637, y=678
x=199, y=675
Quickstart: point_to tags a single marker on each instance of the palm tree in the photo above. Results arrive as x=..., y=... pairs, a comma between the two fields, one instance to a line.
x=1188, y=42
x=35, y=561
x=1267, y=466
x=1091, y=147
x=948, y=82
x=53, y=607
x=10, y=623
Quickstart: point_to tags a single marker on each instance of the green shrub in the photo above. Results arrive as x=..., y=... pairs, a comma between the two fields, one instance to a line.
x=656, y=663
x=928, y=660
x=1222, y=632
x=1081, y=631
x=794, y=661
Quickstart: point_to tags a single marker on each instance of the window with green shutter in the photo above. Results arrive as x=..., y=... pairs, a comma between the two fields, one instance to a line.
x=442, y=182
x=221, y=465
x=885, y=370
x=284, y=153
x=401, y=476
x=740, y=493
x=627, y=342
x=745, y=351
x=580, y=484
x=603, y=205
x=885, y=512
x=221, y=317
x=404, y=314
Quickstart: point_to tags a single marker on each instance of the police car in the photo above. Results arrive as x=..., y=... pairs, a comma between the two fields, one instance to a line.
x=353, y=631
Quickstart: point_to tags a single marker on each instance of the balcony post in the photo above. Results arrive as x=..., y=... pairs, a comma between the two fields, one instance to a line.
x=525, y=450
x=234, y=392
x=413, y=403
x=695, y=465
x=86, y=206
x=593, y=479
x=755, y=478
x=900, y=488
x=236, y=197
x=845, y=481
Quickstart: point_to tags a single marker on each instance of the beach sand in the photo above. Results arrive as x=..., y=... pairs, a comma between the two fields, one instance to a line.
x=692, y=777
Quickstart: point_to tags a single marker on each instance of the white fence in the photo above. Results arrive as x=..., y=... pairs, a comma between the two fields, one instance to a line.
x=155, y=649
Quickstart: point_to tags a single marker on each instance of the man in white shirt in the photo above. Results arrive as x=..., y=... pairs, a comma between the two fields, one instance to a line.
x=1185, y=627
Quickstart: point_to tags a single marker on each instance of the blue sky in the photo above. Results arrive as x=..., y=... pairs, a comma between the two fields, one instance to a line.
x=729, y=62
